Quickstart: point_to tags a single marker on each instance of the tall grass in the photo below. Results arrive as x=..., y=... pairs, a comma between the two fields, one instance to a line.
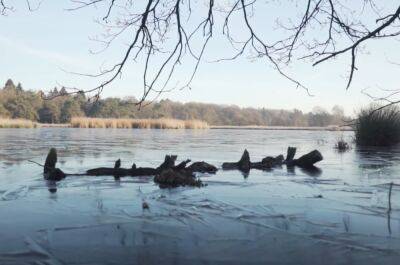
x=17, y=123
x=378, y=128
x=83, y=122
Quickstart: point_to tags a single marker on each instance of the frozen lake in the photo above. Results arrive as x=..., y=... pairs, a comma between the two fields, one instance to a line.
x=335, y=216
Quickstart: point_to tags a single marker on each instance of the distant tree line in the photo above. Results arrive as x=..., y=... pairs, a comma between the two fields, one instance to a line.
x=15, y=102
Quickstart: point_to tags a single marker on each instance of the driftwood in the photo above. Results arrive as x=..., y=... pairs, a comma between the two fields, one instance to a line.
x=390, y=198
x=308, y=160
x=50, y=172
x=117, y=171
x=166, y=175
x=169, y=174
x=182, y=165
x=122, y=172
x=269, y=162
x=169, y=163
x=305, y=161
x=170, y=178
x=202, y=167
x=291, y=152
x=51, y=161
x=117, y=164
x=243, y=164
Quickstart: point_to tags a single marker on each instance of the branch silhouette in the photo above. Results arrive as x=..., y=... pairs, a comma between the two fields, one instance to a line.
x=164, y=34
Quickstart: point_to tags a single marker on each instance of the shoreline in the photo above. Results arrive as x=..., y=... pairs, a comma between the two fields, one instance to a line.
x=281, y=128
x=161, y=124
x=211, y=127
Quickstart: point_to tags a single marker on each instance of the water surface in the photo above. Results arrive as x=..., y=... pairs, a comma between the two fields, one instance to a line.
x=338, y=215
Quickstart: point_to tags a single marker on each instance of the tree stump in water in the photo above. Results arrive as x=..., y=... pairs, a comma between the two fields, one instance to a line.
x=51, y=161
x=291, y=152
x=169, y=162
x=243, y=164
x=50, y=172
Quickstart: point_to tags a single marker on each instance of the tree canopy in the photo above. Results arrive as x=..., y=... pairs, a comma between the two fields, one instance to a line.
x=18, y=103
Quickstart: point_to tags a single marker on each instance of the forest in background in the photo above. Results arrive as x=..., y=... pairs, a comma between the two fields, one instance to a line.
x=16, y=102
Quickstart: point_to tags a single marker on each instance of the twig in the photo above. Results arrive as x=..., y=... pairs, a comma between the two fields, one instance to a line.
x=36, y=163
x=390, y=197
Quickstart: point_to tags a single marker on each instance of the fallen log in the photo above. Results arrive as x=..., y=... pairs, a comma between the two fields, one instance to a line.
x=268, y=163
x=170, y=175
x=117, y=171
x=169, y=163
x=306, y=161
x=171, y=178
x=312, y=171
x=202, y=167
x=166, y=175
x=273, y=161
x=243, y=164
x=122, y=172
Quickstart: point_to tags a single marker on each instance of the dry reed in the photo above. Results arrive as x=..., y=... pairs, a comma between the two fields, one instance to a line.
x=17, y=123
x=84, y=122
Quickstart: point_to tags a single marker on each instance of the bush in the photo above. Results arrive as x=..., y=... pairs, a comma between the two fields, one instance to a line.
x=341, y=145
x=378, y=128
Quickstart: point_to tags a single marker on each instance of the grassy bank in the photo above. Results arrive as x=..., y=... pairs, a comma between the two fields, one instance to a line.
x=17, y=123
x=83, y=122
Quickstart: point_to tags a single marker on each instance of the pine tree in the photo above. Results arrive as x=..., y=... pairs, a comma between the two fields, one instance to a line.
x=19, y=87
x=9, y=84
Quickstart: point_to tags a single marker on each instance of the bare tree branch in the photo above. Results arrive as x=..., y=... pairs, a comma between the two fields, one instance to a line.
x=163, y=34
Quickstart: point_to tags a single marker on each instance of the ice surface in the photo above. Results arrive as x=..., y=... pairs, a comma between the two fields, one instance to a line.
x=339, y=216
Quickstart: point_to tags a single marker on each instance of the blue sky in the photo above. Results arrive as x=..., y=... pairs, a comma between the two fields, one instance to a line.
x=36, y=48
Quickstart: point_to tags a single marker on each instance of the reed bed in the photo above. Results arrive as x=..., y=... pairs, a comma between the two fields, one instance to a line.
x=84, y=122
x=378, y=127
x=17, y=123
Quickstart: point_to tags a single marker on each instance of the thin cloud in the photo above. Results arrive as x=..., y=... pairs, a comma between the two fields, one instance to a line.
x=50, y=56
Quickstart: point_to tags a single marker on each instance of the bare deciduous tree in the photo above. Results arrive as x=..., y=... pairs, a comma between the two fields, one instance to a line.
x=174, y=30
